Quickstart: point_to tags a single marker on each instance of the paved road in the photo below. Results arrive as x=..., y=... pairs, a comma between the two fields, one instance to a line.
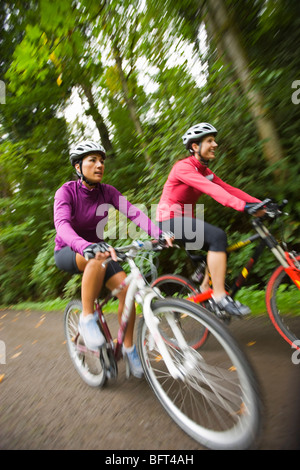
x=45, y=405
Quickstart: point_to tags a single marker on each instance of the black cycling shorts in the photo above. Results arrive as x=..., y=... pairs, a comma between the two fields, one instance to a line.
x=196, y=234
x=65, y=260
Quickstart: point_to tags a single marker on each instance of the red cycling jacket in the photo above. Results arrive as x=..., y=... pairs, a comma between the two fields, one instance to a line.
x=187, y=181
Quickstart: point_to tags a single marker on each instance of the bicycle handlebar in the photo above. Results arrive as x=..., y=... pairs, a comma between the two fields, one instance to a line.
x=272, y=209
x=123, y=252
x=275, y=210
x=256, y=207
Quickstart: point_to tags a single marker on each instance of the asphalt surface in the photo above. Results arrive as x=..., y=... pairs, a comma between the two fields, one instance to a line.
x=45, y=405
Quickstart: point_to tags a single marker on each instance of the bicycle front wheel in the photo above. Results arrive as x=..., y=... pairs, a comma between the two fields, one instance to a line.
x=217, y=401
x=283, y=305
x=89, y=364
x=174, y=285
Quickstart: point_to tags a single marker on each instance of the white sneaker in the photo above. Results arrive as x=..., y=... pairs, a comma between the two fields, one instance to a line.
x=90, y=331
x=134, y=363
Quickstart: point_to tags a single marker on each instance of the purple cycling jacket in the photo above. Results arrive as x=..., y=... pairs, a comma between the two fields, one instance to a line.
x=80, y=214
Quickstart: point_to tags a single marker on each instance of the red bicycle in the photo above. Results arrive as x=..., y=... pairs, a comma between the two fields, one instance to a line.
x=282, y=291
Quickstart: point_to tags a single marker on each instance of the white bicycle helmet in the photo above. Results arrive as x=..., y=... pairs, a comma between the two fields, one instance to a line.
x=84, y=148
x=197, y=132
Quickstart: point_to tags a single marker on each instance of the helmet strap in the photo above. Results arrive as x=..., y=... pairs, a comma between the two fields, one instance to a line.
x=202, y=160
x=82, y=177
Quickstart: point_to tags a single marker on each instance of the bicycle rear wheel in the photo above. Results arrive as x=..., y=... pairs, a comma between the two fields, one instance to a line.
x=217, y=402
x=283, y=305
x=89, y=364
x=176, y=286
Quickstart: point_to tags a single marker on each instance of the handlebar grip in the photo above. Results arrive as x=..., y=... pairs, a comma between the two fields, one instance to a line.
x=284, y=203
x=253, y=207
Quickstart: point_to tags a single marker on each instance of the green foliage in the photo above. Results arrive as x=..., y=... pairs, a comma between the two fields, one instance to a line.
x=44, y=275
x=254, y=298
x=237, y=260
x=169, y=76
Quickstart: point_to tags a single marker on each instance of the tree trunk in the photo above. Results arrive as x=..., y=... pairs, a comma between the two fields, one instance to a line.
x=98, y=119
x=131, y=106
x=227, y=37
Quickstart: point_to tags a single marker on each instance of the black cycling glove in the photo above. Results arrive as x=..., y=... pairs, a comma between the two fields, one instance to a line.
x=250, y=207
x=90, y=251
x=163, y=236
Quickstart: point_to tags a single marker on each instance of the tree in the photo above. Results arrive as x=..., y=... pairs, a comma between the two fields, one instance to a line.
x=108, y=51
x=227, y=37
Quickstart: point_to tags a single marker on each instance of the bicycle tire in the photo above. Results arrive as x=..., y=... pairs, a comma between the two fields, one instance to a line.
x=89, y=366
x=218, y=402
x=282, y=298
x=176, y=286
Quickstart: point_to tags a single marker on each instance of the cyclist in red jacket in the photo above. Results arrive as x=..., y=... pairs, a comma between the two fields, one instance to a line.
x=187, y=181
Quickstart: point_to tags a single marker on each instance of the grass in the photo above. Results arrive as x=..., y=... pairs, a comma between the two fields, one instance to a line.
x=255, y=299
x=286, y=299
x=54, y=305
x=45, y=306
x=250, y=296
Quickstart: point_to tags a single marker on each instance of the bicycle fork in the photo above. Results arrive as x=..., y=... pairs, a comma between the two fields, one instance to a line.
x=287, y=260
x=153, y=325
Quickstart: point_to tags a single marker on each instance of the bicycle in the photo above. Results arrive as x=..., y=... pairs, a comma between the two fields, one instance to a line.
x=282, y=290
x=211, y=394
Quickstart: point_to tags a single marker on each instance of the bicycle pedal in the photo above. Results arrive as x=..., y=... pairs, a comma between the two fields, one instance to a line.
x=218, y=312
x=224, y=316
x=111, y=368
x=111, y=373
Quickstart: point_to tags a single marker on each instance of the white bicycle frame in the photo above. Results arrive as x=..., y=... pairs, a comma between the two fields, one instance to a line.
x=144, y=295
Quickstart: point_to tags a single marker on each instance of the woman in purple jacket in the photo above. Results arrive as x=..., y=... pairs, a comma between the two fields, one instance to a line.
x=80, y=215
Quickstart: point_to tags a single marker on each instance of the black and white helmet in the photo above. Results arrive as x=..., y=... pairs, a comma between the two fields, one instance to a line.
x=197, y=132
x=84, y=148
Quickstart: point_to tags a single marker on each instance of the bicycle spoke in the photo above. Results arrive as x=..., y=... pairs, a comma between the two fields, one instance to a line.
x=283, y=305
x=215, y=401
x=171, y=285
x=88, y=364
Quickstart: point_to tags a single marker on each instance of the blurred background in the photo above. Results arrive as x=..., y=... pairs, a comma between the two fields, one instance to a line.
x=136, y=75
